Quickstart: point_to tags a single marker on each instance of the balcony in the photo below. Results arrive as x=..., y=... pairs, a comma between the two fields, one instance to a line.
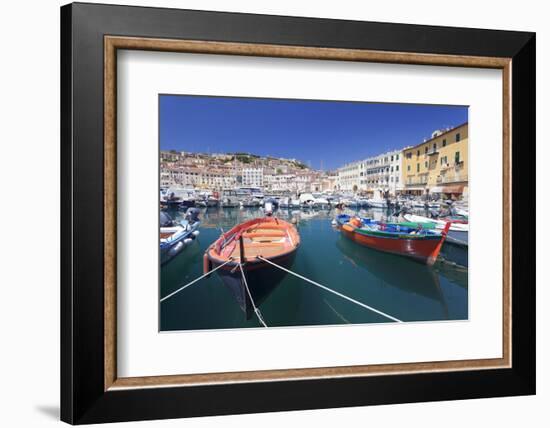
x=417, y=181
x=452, y=178
x=453, y=165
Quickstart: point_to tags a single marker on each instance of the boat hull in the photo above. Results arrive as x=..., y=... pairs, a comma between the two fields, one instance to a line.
x=424, y=249
x=456, y=225
x=170, y=249
x=457, y=254
x=377, y=204
x=261, y=277
x=458, y=237
x=187, y=203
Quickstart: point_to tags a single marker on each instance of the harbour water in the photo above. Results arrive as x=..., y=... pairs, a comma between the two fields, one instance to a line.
x=398, y=286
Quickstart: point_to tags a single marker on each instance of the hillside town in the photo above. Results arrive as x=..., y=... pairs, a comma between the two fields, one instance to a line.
x=437, y=165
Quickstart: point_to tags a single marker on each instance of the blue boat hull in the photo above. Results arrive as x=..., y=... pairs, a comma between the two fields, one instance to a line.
x=261, y=281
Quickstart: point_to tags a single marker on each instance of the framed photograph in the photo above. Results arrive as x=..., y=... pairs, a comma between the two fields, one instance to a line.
x=266, y=213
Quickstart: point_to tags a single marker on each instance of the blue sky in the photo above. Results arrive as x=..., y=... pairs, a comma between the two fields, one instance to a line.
x=327, y=133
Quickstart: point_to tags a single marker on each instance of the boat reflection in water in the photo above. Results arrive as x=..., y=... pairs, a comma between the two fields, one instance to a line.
x=395, y=285
x=406, y=275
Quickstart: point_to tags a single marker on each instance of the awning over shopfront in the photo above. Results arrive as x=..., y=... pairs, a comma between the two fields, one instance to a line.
x=453, y=189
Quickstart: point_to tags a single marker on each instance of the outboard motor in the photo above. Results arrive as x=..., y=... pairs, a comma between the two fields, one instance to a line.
x=166, y=220
x=433, y=213
x=274, y=202
x=192, y=215
x=404, y=210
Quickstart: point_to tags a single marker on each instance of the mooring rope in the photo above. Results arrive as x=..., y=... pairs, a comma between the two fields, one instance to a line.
x=331, y=291
x=256, y=310
x=195, y=280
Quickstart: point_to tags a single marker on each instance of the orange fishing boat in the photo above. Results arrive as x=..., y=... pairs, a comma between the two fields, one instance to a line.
x=270, y=238
x=417, y=243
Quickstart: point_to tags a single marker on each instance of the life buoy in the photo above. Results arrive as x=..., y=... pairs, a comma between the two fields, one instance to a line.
x=356, y=222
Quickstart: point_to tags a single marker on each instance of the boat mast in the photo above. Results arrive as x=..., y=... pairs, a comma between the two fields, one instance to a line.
x=241, y=249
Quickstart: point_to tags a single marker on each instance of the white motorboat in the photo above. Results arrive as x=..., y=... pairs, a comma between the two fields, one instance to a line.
x=377, y=203
x=440, y=223
x=320, y=201
x=174, y=237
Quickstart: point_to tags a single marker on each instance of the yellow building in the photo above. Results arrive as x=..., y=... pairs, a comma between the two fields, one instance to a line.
x=438, y=165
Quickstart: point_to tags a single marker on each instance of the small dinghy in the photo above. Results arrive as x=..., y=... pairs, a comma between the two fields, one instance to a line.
x=417, y=243
x=175, y=236
x=270, y=238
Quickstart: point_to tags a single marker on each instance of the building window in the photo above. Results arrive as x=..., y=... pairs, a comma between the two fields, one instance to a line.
x=417, y=167
x=418, y=153
x=435, y=147
x=444, y=142
x=392, y=158
x=457, y=157
x=408, y=167
x=396, y=157
x=426, y=149
x=397, y=167
x=426, y=164
x=457, y=137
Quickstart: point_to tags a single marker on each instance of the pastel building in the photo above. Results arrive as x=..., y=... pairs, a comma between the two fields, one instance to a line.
x=382, y=174
x=253, y=177
x=438, y=165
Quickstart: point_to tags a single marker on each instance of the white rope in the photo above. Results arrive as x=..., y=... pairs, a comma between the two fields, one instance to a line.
x=195, y=280
x=256, y=310
x=332, y=291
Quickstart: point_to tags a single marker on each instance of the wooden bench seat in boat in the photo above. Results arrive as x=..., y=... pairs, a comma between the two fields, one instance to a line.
x=279, y=234
x=257, y=250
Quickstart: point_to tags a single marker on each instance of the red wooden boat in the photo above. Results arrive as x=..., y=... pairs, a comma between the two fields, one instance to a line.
x=269, y=237
x=417, y=243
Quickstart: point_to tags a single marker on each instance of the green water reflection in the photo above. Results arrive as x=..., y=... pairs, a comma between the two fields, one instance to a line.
x=395, y=285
